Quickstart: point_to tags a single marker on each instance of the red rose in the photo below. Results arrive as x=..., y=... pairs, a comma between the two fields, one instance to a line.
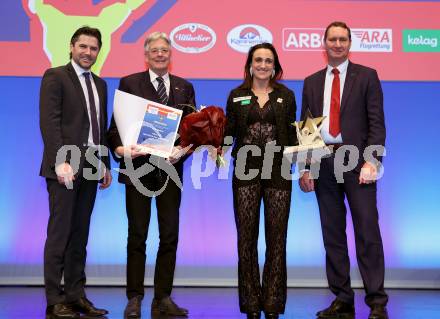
x=205, y=127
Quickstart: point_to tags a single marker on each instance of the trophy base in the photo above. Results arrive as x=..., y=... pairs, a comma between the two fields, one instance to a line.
x=300, y=153
x=304, y=148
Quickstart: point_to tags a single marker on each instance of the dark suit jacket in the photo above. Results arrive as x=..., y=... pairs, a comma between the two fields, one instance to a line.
x=362, y=117
x=64, y=117
x=283, y=101
x=181, y=92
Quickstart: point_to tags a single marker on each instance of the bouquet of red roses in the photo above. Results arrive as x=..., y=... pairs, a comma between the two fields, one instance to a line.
x=204, y=127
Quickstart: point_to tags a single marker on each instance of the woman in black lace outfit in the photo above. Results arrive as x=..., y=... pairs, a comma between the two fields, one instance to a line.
x=260, y=114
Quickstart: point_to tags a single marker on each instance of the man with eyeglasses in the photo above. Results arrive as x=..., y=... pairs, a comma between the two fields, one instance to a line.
x=155, y=84
x=350, y=96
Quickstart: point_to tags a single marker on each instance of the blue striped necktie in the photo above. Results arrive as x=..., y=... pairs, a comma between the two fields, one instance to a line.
x=161, y=91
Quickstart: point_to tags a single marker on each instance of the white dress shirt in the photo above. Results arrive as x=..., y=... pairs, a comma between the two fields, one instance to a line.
x=166, y=80
x=329, y=139
x=80, y=73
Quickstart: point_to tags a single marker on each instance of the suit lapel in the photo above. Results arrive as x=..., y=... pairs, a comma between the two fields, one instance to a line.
x=175, y=92
x=147, y=89
x=102, y=101
x=178, y=95
x=74, y=77
x=320, y=94
x=277, y=103
x=245, y=108
x=348, y=85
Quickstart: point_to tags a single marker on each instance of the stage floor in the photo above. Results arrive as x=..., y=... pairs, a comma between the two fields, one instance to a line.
x=222, y=303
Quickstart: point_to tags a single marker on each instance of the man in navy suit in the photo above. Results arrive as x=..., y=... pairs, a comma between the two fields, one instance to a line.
x=155, y=84
x=73, y=123
x=350, y=96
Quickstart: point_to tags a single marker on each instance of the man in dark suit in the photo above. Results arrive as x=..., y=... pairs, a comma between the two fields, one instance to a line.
x=73, y=120
x=350, y=96
x=155, y=84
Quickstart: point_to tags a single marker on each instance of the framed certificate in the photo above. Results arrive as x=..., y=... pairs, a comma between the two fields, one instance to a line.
x=159, y=129
x=150, y=125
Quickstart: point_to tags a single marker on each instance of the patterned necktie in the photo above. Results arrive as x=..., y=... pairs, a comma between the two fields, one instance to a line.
x=161, y=91
x=335, y=105
x=93, y=114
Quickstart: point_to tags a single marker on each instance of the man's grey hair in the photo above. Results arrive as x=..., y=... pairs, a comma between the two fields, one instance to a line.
x=156, y=36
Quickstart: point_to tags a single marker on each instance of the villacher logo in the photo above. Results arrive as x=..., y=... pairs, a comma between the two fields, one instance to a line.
x=244, y=36
x=371, y=40
x=193, y=38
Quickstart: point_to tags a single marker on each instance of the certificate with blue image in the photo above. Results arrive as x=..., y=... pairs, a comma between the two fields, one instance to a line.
x=159, y=129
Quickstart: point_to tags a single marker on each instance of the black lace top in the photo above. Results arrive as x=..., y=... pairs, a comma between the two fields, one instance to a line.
x=261, y=125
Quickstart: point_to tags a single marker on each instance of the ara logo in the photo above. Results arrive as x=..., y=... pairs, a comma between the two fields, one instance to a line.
x=244, y=36
x=193, y=38
x=303, y=39
x=371, y=40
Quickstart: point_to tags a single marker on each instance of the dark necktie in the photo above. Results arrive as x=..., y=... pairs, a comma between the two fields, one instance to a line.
x=335, y=105
x=93, y=114
x=161, y=91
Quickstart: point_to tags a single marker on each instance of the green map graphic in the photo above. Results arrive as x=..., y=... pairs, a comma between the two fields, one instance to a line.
x=59, y=27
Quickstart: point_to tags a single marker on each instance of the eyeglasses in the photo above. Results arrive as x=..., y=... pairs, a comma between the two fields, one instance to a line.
x=159, y=50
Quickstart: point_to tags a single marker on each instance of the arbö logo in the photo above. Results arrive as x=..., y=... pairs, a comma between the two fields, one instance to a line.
x=372, y=40
x=303, y=39
x=193, y=38
x=244, y=36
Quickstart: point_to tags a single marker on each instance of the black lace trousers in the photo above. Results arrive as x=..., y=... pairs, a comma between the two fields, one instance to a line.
x=270, y=295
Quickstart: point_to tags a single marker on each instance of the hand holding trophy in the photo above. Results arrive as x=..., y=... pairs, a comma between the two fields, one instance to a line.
x=309, y=138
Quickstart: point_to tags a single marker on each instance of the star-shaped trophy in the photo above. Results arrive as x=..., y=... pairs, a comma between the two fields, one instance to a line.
x=308, y=135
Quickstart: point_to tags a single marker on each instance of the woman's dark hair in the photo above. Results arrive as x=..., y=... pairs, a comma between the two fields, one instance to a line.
x=247, y=82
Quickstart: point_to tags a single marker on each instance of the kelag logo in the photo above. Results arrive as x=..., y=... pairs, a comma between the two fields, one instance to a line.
x=371, y=40
x=193, y=38
x=303, y=39
x=421, y=40
x=242, y=37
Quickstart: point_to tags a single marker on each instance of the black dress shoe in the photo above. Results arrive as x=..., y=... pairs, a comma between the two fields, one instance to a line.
x=271, y=315
x=253, y=315
x=168, y=307
x=61, y=311
x=338, y=309
x=133, y=308
x=378, y=312
x=86, y=307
